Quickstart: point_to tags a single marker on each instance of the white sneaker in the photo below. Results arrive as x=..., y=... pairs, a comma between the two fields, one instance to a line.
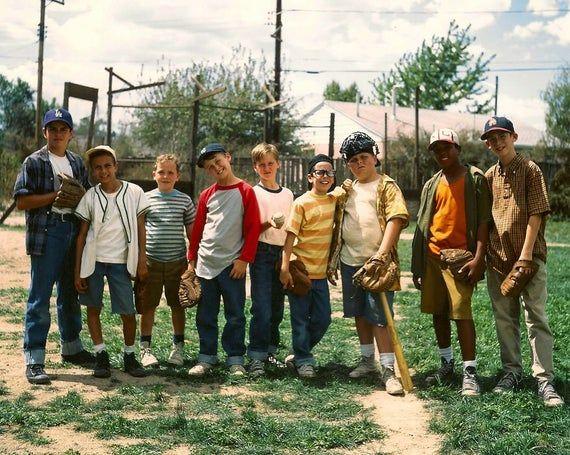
x=200, y=369
x=176, y=355
x=147, y=357
x=290, y=361
x=237, y=370
x=306, y=371
x=365, y=366
x=391, y=382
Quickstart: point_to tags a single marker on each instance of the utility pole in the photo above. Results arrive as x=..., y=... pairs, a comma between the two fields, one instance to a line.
x=417, y=175
x=496, y=93
x=277, y=35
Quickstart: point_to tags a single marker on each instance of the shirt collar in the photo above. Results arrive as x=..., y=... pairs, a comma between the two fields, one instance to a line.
x=512, y=166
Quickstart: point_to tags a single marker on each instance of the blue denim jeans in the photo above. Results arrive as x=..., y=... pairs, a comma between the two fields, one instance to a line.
x=310, y=319
x=233, y=335
x=358, y=302
x=267, y=300
x=55, y=266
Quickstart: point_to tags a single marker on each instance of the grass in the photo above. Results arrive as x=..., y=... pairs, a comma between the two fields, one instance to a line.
x=512, y=423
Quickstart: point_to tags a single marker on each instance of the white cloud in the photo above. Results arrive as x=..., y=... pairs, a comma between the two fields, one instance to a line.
x=560, y=28
x=527, y=31
x=537, y=5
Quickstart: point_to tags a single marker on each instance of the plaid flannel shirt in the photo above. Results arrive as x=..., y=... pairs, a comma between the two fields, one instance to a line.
x=36, y=177
x=518, y=193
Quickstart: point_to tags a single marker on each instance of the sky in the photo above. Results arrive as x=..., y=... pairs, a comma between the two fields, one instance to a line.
x=346, y=41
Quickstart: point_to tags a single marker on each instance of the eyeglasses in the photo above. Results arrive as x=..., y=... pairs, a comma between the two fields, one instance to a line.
x=322, y=173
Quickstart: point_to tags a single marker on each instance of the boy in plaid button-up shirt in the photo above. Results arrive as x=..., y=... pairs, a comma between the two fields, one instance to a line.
x=50, y=242
x=520, y=207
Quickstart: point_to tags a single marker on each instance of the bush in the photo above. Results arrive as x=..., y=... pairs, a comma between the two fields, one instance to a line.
x=10, y=163
x=560, y=193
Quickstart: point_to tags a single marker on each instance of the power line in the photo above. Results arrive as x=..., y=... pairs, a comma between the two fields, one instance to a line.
x=491, y=70
x=423, y=12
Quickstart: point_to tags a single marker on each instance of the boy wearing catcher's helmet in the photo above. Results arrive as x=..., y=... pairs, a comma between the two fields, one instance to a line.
x=368, y=222
x=454, y=214
x=517, y=248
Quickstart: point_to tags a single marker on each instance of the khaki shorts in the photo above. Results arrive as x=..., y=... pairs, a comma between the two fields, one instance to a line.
x=443, y=294
x=163, y=275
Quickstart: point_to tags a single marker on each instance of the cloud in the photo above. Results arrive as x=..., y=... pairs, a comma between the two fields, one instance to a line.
x=534, y=5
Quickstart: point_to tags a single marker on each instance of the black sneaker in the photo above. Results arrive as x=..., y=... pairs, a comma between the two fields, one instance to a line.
x=548, y=395
x=82, y=358
x=132, y=366
x=35, y=374
x=509, y=382
x=102, y=365
x=443, y=375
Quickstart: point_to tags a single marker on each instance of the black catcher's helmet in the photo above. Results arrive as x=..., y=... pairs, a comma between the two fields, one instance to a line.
x=357, y=142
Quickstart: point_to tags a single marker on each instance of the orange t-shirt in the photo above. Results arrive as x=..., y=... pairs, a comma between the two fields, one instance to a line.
x=448, y=227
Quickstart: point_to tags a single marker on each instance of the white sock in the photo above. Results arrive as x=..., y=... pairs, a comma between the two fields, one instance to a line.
x=469, y=363
x=446, y=353
x=98, y=348
x=129, y=349
x=387, y=359
x=145, y=344
x=367, y=350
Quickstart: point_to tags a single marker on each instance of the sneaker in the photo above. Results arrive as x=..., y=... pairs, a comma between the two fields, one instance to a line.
x=470, y=387
x=102, y=365
x=148, y=359
x=391, y=382
x=306, y=371
x=237, y=370
x=200, y=369
x=83, y=358
x=132, y=366
x=443, y=375
x=35, y=374
x=256, y=368
x=365, y=366
x=272, y=360
x=176, y=355
x=509, y=382
x=548, y=395
x=290, y=361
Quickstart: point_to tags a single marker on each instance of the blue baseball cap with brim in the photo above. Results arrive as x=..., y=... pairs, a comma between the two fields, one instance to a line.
x=497, y=124
x=58, y=115
x=208, y=151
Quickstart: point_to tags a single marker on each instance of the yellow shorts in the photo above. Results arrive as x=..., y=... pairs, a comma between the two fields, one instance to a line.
x=443, y=294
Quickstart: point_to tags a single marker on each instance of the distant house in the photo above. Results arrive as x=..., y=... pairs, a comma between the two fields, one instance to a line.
x=350, y=117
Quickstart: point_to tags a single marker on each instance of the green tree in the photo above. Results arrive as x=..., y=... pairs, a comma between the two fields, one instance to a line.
x=243, y=77
x=557, y=98
x=445, y=71
x=335, y=92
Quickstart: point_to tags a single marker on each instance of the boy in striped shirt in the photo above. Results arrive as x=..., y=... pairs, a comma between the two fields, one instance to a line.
x=169, y=219
x=309, y=234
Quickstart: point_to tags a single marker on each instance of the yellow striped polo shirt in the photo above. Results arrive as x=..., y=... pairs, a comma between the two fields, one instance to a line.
x=311, y=220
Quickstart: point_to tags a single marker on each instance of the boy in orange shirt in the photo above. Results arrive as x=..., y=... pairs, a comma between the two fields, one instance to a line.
x=454, y=213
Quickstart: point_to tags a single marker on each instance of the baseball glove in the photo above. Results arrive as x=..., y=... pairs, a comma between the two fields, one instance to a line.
x=380, y=273
x=70, y=192
x=139, y=290
x=190, y=291
x=516, y=280
x=300, y=275
x=455, y=259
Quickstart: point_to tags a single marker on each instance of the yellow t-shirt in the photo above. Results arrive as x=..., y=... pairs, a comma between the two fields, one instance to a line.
x=311, y=220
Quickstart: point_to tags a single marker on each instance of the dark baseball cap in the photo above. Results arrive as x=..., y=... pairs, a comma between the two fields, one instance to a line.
x=320, y=158
x=58, y=115
x=497, y=124
x=357, y=142
x=208, y=151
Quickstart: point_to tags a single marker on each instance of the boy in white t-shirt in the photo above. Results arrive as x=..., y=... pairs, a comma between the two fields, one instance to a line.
x=111, y=243
x=267, y=294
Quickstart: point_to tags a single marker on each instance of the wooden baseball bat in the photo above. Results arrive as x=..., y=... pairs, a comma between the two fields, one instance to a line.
x=402, y=364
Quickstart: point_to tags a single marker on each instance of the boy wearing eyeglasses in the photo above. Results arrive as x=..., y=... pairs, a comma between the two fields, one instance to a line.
x=516, y=242
x=309, y=233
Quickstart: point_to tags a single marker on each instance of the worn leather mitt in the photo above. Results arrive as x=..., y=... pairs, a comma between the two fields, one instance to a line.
x=300, y=275
x=70, y=192
x=378, y=274
x=139, y=290
x=516, y=281
x=455, y=259
x=190, y=291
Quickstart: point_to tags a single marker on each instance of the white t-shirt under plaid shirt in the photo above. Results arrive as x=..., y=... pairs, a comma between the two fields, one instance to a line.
x=166, y=220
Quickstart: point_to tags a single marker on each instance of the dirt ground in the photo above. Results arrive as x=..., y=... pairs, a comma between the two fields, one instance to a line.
x=404, y=419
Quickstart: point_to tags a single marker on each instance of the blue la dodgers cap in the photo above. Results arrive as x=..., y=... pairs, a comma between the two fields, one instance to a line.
x=58, y=115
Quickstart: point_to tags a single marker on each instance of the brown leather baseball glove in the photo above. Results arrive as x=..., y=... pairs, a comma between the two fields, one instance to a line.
x=70, y=192
x=300, y=275
x=190, y=291
x=517, y=279
x=378, y=274
x=455, y=259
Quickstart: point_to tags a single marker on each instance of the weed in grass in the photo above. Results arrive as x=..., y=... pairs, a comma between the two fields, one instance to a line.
x=4, y=388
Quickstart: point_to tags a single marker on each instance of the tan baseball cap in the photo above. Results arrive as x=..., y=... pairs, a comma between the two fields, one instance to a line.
x=443, y=135
x=101, y=148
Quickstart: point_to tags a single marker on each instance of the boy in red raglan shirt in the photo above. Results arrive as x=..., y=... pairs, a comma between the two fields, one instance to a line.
x=224, y=240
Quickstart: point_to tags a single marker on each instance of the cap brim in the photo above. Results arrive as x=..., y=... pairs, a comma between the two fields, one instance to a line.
x=58, y=120
x=442, y=140
x=497, y=128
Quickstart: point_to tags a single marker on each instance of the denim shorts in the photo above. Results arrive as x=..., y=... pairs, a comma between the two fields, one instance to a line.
x=120, y=288
x=358, y=302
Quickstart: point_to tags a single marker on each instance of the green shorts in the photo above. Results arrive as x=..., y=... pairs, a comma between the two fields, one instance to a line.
x=163, y=275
